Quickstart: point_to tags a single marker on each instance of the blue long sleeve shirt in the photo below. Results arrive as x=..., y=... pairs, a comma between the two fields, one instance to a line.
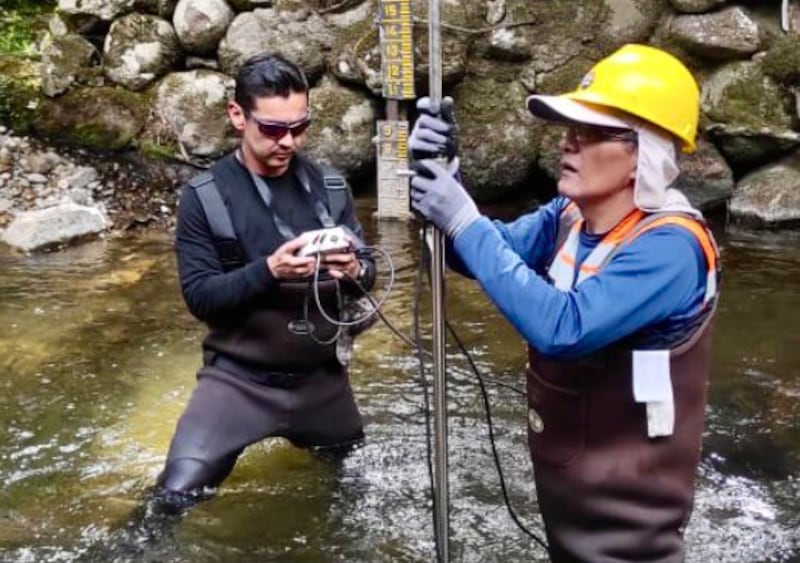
x=652, y=288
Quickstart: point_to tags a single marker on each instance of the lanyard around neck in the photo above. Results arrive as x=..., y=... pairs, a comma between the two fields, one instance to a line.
x=265, y=193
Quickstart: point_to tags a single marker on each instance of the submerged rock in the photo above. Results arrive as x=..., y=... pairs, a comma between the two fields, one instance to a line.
x=53, y=226
x=769, y=196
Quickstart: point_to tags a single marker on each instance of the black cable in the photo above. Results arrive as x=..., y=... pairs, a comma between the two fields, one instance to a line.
x=376, y=310
x=493, y=381
x=426, y=408
x=416, y=344
x=489, y=424
x=377, y=305
x=416, y=347
x=313, y=287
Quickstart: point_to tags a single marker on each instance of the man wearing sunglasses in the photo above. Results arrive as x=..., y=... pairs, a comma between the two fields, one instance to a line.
x=613, y=286
x=270, y=365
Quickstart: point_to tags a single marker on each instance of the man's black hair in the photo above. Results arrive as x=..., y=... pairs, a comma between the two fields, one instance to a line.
x=266, y=75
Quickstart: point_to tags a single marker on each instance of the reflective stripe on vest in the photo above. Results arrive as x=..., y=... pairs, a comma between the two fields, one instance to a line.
x=704, y=238
x=562, y=270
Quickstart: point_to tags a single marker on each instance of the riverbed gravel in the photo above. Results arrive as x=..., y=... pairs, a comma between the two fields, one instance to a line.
x=133, y=192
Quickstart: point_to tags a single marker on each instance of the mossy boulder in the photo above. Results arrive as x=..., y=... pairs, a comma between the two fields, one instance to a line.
x=355, y=55
x=745, y=148
x=200, y=24
x=630, y=21
x=188, y=117
x=498, y=139
x=782, y=61
x=728, y=34
x=102, y=119
x=742, y=94
x=139, y=49
x=105, y=10
x=301, y=37
x=67, y=59
x=455, y=45
x=768, y=197
x=566, y=78
x=356, y=52
x=705, y=178
x=748, y=115
x=342, y=130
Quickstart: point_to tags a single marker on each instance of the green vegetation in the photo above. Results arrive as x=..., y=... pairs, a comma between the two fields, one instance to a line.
x=20, y=20
x=157, y=151
x=103, y=118
x=782, y=61
x=20, y=91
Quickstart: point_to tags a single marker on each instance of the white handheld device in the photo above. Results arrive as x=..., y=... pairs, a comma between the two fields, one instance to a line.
x=325, y=241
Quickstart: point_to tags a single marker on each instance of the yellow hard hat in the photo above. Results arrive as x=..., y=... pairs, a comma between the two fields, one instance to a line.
x=643, y=81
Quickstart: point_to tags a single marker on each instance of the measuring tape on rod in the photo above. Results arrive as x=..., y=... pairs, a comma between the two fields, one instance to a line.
x=397, y=67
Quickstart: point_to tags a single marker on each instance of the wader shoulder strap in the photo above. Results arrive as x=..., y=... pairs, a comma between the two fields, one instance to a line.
x=566, y=220
x=219, y=221
x=337, y=192
x=335, y=187
x=703, y=236
x=691, y=224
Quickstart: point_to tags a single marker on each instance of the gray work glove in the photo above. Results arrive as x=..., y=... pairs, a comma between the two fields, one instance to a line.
x=434, y=132
x=441, y=199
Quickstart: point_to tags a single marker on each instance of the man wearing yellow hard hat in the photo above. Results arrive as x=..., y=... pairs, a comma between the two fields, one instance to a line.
x=613, y=285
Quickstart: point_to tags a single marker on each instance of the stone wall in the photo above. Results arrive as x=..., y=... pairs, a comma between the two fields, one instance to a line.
x=153, y=75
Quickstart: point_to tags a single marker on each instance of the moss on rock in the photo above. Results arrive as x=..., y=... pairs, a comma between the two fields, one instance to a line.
x=742, y=94
x=158, y=149
x=102, y=118
x=20, y=92
x=566, y=78
x=499, y=145
x=782, y=61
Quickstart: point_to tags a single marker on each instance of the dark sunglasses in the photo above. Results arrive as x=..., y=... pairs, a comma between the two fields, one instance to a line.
x=278, y=129
x=591, y=134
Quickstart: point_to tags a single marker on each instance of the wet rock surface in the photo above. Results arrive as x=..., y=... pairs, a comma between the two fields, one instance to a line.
x=128, y=190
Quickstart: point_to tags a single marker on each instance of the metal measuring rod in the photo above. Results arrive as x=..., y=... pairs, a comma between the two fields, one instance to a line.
x=441, y=498
x=397, y=65
x=785, y=20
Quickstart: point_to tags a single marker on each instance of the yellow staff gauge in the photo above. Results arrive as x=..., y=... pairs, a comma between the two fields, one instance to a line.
x=393, y=200
x=397, y=49
x=397, y=66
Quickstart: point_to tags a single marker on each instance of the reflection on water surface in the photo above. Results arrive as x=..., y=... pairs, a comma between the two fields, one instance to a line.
x=99, y=354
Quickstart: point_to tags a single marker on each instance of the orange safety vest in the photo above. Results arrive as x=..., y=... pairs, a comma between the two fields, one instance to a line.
x=562, y=270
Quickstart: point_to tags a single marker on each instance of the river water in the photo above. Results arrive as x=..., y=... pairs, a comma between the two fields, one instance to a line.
x=98, y=357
